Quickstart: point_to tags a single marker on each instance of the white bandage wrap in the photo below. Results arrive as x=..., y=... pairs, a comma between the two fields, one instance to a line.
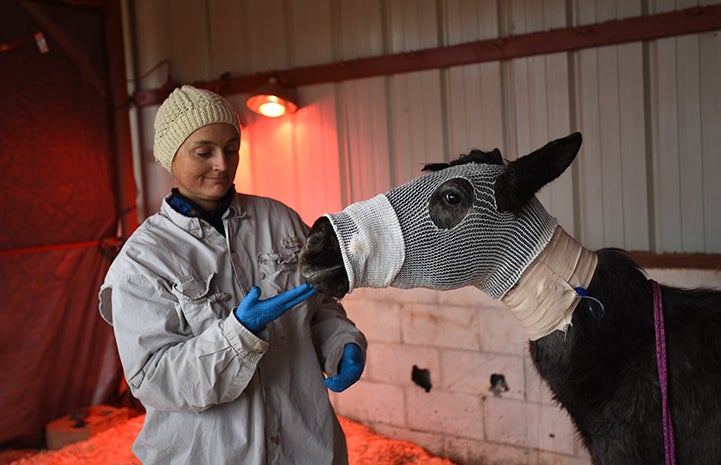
x=371, y=242
x=544, y=297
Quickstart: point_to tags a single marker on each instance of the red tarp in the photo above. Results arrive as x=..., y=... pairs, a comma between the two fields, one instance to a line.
x=57, y=182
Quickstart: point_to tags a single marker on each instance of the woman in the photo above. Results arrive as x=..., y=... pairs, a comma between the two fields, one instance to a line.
x=225, y=377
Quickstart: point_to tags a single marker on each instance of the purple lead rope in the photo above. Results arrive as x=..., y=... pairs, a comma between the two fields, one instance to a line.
x=668, y=442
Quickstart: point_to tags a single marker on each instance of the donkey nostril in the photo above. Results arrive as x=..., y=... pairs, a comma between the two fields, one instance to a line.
x=317, y=241
x=313, y=242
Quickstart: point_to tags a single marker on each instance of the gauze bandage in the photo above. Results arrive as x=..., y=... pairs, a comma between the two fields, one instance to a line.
x=545, y=296
x=392, y=240
x=371, y=242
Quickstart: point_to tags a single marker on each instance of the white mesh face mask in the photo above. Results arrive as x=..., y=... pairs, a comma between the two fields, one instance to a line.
x=391, y=239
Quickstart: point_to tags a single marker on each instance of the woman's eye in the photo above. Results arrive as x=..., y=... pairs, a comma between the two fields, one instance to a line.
x=204, y=154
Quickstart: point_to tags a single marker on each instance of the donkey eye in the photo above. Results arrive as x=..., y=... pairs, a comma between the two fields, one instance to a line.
x=452, y=198
x=450, y=203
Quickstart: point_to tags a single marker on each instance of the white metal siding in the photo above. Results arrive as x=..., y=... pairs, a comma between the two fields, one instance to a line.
x=646, y=177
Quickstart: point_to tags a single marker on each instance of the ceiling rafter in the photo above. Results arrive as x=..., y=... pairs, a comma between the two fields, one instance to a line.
x=676, y=23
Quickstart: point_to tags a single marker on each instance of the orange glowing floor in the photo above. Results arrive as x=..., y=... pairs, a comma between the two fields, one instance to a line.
x=112, y=447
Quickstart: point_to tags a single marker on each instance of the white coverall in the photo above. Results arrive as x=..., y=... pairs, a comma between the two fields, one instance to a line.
x=215, y=393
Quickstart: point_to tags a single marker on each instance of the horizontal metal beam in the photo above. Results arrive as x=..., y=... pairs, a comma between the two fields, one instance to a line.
x=671, y=24
x=702, y=261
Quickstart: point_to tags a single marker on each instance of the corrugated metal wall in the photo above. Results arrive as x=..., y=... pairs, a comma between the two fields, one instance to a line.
x=650, y=112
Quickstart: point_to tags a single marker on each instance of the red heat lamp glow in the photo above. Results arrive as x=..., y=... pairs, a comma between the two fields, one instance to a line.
x=272, y=100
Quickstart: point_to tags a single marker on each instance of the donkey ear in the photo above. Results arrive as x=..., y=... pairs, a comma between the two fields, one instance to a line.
x=523, y=177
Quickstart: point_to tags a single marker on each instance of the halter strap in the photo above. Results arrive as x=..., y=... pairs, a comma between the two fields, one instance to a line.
x=668, y=440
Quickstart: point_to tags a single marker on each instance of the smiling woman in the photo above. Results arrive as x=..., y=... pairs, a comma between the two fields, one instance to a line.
x=205, y=165
x=228, y=349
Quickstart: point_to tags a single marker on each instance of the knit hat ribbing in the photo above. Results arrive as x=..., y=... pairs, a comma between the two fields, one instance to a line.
x=184, y=111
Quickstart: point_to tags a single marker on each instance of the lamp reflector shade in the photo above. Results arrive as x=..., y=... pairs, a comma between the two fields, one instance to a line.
x=272, y=100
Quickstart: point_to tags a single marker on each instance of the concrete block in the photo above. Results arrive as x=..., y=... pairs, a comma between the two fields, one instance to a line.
x=379, y=321
x=550, y=429
x=549, y=458
x=529, y=425
x=501, y=332
x=464, y=451
x=418, y=295
x=395, y=295
x=393, y=363
x=470, y=372
x=468, y=297
x=450, y=413
x=368, y=402
x=448, y=327
x=506, y=421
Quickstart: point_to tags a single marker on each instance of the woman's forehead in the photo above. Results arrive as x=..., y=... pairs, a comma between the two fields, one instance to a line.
x=216, y=133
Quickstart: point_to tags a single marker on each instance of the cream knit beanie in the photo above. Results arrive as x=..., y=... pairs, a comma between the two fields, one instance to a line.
x=185, y=110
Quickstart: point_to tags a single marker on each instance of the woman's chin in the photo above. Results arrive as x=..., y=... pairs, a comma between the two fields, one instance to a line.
x=217, y=189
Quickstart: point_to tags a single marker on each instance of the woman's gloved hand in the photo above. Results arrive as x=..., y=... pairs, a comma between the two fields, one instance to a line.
x=350, y=369
x=255, y=314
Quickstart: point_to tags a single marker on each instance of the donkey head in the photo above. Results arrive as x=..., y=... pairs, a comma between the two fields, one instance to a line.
x=472, y=222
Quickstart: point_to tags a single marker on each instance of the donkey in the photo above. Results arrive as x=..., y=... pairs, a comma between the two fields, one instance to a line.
x=590, y=316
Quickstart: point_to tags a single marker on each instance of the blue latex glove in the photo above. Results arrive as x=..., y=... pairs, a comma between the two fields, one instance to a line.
x=255, y=314
x=350, y=369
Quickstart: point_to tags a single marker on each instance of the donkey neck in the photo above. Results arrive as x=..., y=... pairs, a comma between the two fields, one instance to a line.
x=545, y=295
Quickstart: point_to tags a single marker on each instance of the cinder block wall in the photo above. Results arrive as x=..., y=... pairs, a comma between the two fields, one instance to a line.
x=462, y=338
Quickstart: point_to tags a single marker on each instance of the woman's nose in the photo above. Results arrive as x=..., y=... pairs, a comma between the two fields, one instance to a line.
x=219, y=161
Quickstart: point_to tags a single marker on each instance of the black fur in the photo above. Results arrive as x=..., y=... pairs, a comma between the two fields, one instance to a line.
x=525, y=176
x=603, y=371
x=493, y=157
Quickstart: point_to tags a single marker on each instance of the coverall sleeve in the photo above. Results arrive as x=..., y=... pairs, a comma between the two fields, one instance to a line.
x=332, y=330
x=168, y=367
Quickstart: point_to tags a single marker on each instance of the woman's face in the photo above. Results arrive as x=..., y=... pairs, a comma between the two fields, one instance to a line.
x=205, y=165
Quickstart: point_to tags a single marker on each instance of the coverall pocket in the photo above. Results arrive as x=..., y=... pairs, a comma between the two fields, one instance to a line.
x=273, y=265
x=201, y=305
